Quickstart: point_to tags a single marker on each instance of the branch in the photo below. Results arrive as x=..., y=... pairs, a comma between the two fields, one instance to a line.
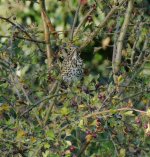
x=49, y=111
x=24, y=38
x=83, y=20
x=121, y=38
x=136, y=70
x=15, y=80
x=20, y=29
x=49, y=24
x=115, y=38
x=101, y=25
x=12, y=79
x=141, y=56
x=40, y=101
x=46, y=33
x=54, y=90
x=111, y=138
x=83, y=148
x=138, y=28
x=115, y=110
x=74, y=21
x=136, y=94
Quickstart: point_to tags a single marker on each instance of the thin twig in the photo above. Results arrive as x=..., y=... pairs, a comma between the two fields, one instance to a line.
x=50, y=107
x=115, y=110
x=111, y=138
x=107, y=98
x=24, y=38
x=54, y=90
x=16, y=81
x=136, y=70
x=83, y=148
x=75, y=21
x=49, y=24
x=102, y=24
x=137, y=28
x=20, y=86
x=20, y=28
x=40, y=101
x=38, y=118
x=8, y=101
x=141, y=56
x=134, y=95
x=83, y=20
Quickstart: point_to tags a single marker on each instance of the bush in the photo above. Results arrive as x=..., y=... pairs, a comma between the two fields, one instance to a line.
x=107, y=112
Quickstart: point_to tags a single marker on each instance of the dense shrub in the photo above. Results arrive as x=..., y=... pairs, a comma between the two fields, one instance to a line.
x=107, y=112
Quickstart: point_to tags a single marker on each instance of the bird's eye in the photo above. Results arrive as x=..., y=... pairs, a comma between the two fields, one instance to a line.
x=70, y=49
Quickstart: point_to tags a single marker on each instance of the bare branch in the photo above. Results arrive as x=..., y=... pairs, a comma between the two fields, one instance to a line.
x=110, y=111
x=120, y=41
x=49, y=24
x=46, y=34
x=115, y=38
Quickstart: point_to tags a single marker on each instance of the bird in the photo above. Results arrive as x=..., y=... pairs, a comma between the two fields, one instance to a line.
x=72, y=65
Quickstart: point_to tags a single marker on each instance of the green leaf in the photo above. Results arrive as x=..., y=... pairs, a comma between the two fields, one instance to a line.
x=129, y=113
x=4, y=85
x=148, y=112
x=122, y=152
x=65, y=111
x=50, y=134
x=46, y=145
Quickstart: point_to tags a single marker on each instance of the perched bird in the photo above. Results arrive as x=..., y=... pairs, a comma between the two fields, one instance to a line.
x=72, y=65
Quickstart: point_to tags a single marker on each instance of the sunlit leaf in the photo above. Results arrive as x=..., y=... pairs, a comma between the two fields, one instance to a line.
x=50, y=134
x=88, y=138
x=46, y=145
x=122, y=152
x=65, y=111
x=20, y=134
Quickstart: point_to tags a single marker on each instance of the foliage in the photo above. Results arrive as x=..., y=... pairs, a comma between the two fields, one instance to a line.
x=107, y=113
